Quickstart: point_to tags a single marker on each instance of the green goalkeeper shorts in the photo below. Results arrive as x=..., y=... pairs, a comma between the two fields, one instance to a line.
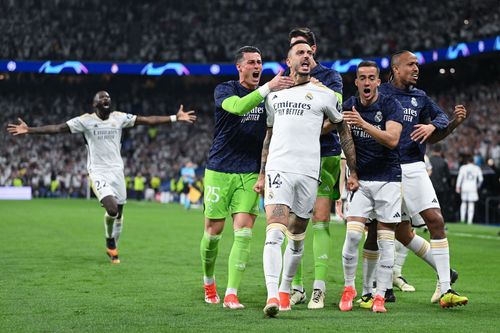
x=330, y=176
x=229, y=193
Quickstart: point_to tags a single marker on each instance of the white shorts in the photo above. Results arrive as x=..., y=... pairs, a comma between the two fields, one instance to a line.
x=416, y=221
x=418, y=192
x=293, y=190
x=469, y=196
x=376, y=200
x=109, y=182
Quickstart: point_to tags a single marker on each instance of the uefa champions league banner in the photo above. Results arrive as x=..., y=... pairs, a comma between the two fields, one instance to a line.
x=176, y=68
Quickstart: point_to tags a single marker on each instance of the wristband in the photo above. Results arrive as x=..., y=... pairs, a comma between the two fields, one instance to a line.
x=264, y=90
x=173, y=118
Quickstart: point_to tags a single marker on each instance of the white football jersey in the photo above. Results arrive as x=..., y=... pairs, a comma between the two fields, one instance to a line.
x=296, y=116
x=103, y=138
x=469, y=178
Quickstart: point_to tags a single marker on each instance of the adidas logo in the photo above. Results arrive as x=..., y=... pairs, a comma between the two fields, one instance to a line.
x=275, y=96
x=326, y=188
x=397, y=215
x=434, y=200
x=324, y=257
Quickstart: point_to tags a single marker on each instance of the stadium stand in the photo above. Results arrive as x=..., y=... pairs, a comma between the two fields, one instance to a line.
x=197, y=31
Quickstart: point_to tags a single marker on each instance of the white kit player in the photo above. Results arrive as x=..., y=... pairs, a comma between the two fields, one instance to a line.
x=102, y=131
x=376, y=125
x=470, y=178
x=291, y=167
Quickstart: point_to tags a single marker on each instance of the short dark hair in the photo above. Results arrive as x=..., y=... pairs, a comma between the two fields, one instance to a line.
x=303, y=32
x=394, y=59
x=367, y=63
x=245, y=49
x=437, y=148
x=298, y=42
x=469, y=158
x=396, y=56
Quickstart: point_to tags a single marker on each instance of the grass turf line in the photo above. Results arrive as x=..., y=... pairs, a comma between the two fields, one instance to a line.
x=55, y=277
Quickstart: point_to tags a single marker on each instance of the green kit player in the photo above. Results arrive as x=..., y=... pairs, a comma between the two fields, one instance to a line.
x=232, y=169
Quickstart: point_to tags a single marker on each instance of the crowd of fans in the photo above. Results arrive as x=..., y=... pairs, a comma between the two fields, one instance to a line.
x=206, y=31
x=162, y=151
x=39, y=160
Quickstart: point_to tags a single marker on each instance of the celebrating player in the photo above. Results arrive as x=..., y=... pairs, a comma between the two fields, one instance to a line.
x=294, y=119
x=376, y=124
x=423, y=121
x=103, y=131
x=232, y=170
x=328, y=190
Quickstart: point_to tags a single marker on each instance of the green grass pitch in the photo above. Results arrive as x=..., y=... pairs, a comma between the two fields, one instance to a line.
x=55, y=277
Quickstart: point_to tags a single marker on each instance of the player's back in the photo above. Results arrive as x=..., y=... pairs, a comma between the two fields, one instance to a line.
x=297, y=115
x=469, y=177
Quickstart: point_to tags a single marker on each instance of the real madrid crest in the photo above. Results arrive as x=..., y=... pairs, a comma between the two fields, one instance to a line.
x=414, y=101
x=309, y=96
x=378, y=116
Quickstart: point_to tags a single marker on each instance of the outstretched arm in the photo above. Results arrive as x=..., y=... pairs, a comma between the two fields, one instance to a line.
x=242, y=105
x=23, y=128
x=259, y=185
x=460, y=114
x=188, y=117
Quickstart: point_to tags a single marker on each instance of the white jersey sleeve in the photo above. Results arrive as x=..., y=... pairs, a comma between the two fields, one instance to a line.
x=270, y=112
x=127, y=119
x=333, y=108
x=76, y=125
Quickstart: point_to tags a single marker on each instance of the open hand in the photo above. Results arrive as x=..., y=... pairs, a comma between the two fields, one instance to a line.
x=188, y=117
x=353, y=118
x=422, y=132
x=21, y=128
x=280, y=82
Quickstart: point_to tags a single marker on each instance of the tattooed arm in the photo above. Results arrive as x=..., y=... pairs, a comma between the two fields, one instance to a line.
x=259, y=185
x=350, y=154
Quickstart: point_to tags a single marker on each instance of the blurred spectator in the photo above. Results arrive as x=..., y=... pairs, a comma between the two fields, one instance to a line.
x=440, y=178
x=206, y=31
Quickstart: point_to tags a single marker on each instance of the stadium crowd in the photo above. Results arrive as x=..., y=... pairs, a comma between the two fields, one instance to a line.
x=196, y=31
x=162, y=151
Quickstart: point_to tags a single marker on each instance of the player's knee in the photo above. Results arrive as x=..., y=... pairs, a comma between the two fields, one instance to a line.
x=214, y=227
x=297, y=228
x=404, y=233
x=112, y=209
x=434, y=221
x=275, y=234
x=110, y=205
x=371, y=238
x=353, y=236
x=321, y=217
